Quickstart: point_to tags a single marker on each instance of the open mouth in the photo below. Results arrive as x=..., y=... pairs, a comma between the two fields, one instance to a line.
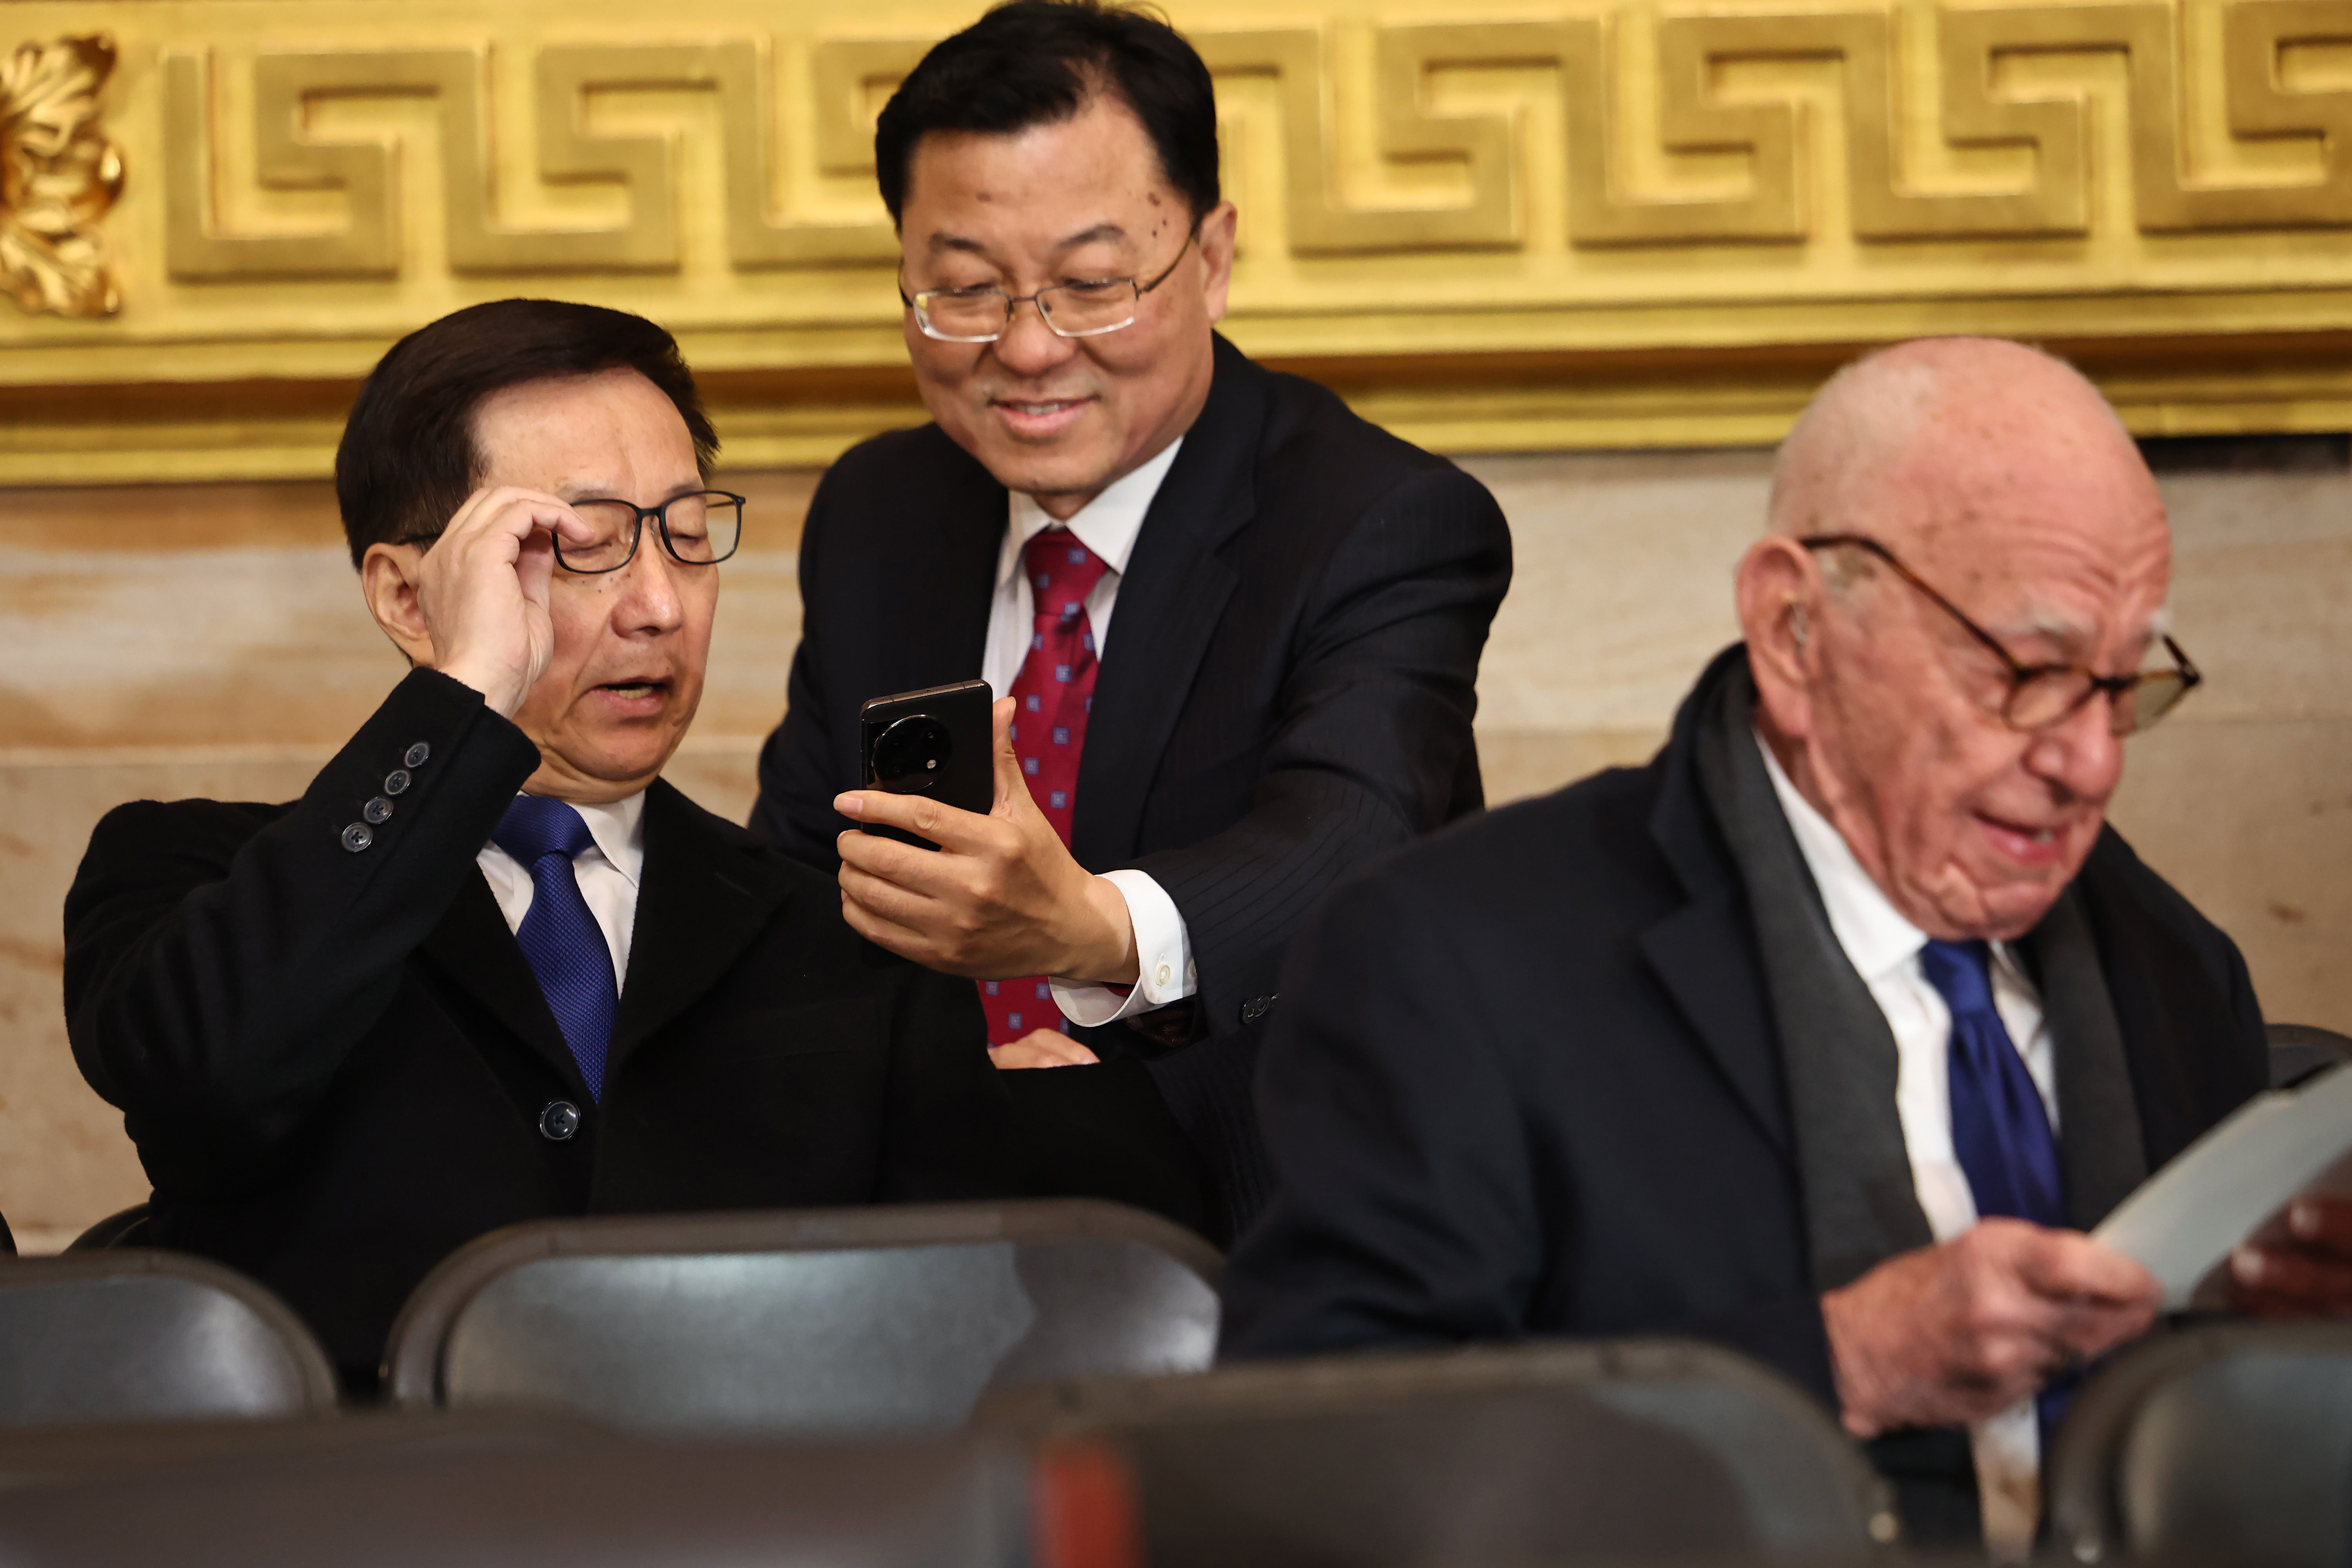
x=636, y=691
x=2032, y=843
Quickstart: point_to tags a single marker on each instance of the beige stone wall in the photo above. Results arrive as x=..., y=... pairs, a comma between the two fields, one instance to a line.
x=209, y=640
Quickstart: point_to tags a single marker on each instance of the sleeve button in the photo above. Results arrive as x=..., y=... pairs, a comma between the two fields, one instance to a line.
x=358, y=837
x=418, y=755
x=376, y=810
x=396, y=782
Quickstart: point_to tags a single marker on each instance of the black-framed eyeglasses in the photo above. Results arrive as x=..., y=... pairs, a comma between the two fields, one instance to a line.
x=1085, y=308
x=2042, y=694
x=701, y=529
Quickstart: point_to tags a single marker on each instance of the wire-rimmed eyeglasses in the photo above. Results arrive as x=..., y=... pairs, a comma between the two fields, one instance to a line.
x=2042, y=694
x=1083, y=309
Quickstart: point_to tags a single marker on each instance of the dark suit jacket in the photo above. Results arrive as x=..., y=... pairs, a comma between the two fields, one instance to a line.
x=1526, y=1081
x=1287, y=691
x=335, y=1062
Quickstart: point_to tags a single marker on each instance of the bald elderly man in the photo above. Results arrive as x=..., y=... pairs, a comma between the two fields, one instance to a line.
x=1825, y=1035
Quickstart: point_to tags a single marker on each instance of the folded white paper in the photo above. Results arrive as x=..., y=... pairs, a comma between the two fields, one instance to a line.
x=2182, y=1223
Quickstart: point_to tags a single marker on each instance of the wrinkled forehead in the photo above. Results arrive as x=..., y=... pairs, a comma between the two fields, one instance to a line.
x=2040, y=507
x=607, y=433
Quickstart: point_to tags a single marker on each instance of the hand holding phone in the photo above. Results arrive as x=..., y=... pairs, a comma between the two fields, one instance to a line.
x=937, y=742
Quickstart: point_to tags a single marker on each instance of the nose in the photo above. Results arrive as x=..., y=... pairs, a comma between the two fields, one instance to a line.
x=2081, y=753
x=650, y=603
x=1029, y=347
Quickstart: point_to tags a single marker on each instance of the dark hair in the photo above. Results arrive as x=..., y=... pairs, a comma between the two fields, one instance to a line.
x=1033, y=62
x=407, y=460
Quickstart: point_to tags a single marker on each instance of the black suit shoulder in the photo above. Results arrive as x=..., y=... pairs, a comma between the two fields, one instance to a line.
x=899, y=478
x=1581, y=857
x=1322, y=468
x=1309, y=426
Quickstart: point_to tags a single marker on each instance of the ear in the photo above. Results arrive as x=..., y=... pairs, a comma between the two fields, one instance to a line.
x=1217, y=236
x=1781, y=602
x=388, y=583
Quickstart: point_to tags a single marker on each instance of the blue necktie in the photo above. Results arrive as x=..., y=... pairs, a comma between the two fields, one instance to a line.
x=559, y=939
x=2001, y=1129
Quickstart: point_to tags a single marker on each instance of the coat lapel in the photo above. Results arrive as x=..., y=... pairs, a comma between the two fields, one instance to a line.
x=1705, y=953
x=1170, y=599
x=701, y=900
x=474, y=949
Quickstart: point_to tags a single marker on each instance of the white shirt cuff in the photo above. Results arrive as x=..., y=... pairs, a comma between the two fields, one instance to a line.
x=1163, y=955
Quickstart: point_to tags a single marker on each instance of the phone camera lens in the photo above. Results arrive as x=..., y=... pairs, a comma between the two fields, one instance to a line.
x=909, y=755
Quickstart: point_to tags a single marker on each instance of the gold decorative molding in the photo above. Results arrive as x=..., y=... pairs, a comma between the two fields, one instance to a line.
x=58, y=176
x=1457, y=190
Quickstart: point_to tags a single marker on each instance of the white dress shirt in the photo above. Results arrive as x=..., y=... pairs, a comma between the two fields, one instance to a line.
x=607, y=872
x=1884, y=948
x=1108, y=526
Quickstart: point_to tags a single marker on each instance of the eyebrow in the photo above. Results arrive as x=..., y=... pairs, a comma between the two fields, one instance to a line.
x=569, y=493
x=2070, y=634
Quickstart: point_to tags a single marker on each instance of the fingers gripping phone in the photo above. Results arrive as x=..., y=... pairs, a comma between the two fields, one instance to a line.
x=938, y=742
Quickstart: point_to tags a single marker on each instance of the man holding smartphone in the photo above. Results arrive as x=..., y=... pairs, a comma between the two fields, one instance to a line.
x=1300, y=599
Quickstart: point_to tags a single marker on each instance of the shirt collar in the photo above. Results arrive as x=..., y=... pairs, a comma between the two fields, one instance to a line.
x=1107, y=525
x=619, y=829
x=1877, y=939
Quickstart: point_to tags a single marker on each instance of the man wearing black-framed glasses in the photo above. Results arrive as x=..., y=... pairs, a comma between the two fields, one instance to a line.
x=490, y=967
x=1829, y=1034
x=1286, y=687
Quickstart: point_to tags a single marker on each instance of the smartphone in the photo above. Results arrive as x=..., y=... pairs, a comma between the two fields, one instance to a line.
x=937, y=742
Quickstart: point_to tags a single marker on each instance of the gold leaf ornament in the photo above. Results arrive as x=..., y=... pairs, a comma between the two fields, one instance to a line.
x=58, y=176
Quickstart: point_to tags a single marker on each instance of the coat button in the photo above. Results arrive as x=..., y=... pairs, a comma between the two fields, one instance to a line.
x=396, y=782
x=1256, y=1007
x=358, y=837
x=377, y=809
x=417, y=756
x=558, y=1121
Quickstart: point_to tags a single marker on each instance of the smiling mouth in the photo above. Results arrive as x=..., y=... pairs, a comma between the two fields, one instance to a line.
x=634, y=688
x=2026, y=841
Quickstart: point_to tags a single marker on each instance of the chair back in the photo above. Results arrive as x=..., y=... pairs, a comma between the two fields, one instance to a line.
x=2298, y=1051
x=125, y=1227
x=139, y=1336
x=1559, y=1452
x=2231, y=1440
x=850, y=1321
x=473, y=1501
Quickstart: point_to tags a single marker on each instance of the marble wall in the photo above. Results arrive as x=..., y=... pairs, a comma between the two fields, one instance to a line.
x=210, y=640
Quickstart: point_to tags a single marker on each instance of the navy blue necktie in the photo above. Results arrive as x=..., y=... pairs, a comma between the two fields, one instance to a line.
x=2001, y=1129
x=559, y=939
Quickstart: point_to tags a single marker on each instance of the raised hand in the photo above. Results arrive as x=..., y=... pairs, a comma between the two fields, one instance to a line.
x=482, y=590
x=1000, y=897
x=1954, y=1333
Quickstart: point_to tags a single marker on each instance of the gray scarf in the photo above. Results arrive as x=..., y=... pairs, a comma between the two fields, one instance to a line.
x=1838, y=1055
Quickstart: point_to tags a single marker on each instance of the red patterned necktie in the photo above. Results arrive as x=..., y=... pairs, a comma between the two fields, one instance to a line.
x=1052, y=696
